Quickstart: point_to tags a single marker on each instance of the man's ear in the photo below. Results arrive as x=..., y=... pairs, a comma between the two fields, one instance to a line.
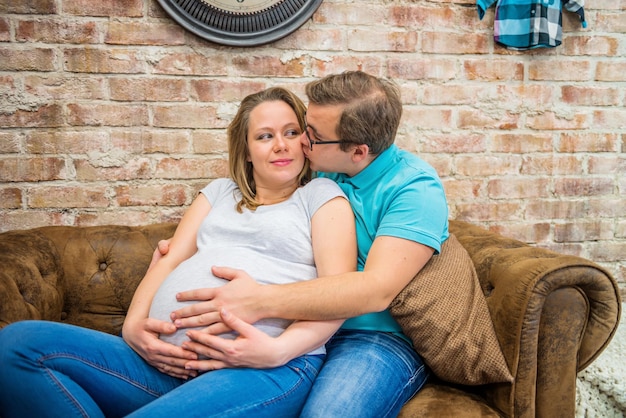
x=360, y=153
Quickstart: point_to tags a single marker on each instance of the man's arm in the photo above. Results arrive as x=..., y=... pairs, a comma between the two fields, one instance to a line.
x=391, y=264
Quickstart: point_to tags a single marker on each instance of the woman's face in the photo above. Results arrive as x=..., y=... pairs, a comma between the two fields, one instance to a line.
x=274, y=145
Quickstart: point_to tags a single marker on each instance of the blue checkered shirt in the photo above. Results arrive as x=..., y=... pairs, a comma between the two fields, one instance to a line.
x=527, y=24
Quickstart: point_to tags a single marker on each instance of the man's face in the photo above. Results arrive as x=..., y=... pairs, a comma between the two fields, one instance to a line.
x=322, y=122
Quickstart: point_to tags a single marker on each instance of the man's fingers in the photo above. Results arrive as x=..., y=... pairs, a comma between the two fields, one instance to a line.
x=236, y=324
x=181, y=320
x=195, y=295
x=226, y=273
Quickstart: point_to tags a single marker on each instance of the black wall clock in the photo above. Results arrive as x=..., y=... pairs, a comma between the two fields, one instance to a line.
x=240, y=22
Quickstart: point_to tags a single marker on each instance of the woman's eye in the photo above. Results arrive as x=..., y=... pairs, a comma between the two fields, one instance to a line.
x=266, y=136
x=292, y=133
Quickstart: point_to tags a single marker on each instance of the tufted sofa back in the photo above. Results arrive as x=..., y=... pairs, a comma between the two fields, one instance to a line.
x=83, y=276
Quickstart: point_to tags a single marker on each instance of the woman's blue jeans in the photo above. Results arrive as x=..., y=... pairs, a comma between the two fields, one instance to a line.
x=57, y=370
x=366, y=374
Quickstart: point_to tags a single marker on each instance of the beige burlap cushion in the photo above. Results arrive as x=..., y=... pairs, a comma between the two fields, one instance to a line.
x=444, y=312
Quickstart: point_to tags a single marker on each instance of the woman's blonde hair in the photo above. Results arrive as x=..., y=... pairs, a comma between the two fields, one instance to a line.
x=239, y=167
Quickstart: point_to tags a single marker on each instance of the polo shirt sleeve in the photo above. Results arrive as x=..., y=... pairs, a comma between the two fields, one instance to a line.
x=417, y=212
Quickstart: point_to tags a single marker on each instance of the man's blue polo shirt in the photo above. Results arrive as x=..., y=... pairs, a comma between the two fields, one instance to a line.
x=397, y=195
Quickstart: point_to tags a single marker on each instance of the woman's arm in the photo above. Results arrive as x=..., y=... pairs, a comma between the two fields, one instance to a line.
x=142, y=333
x=335, y=251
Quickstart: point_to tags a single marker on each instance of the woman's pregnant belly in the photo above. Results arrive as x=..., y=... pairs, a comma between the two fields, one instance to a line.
x=195, y=273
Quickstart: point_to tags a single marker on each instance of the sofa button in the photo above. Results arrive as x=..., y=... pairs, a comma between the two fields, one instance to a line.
x=103, y=266
x=63, y=316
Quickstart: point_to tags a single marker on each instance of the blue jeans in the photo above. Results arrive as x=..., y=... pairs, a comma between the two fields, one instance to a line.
x=366, y=374
x=57, y=370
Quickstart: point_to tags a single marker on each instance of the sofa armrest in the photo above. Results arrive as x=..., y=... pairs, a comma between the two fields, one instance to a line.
x=553, y=315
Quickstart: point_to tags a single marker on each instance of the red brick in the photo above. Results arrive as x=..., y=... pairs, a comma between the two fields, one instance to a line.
x=95, y=169
x=191, y=64
x=151, y=195
x=580, y=231
x=521, y=143
x=187, y=116
x=553, y=121
x=596, y=186
x=591, y=96
x=605, y=207
x=149, y=89
x=40, y=7
x=382, y=40
x=209, y=142
x=9, y=142
x=455, y=94
x=144, y=33
x=107, y=114
x=337, y=14
x=107, y=61
x=552, y=165
x=611, y=22
x=327, y=39
x=59, y=87
x=494, y=69
x=191, y=168
x=57, y=32
x=120, y=8
x=525, y=232
x=459, y=190
x=555, y=209
x=10, y=198
x=28, y=59
x=600, y=251
x=470, y=118
x=588, y=142
x=219, y=90
x=68, y=197
x=454, y=43
x=5, y=29
x=486, y=211
x=45, y=116
x=518, y=188
x=610, y=71
x=453, y=143
x=486, y=165
x=607, y=164
x=551, y=70
x=270, y=66
x=34, y=169
x=26, y=219
x=420, y=69
x=419, y=118
x=595, y=45
x=149, y=142
x=64, y=142
x=613, y=118
x=371, y=64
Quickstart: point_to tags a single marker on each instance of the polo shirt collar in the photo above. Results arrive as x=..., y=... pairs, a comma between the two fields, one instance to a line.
x=370, y=175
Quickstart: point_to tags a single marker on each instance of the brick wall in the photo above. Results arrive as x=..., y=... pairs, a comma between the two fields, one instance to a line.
x=112, y=113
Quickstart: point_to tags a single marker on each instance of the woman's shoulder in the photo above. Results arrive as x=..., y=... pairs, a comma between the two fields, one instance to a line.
x=323, y=183
x=319, y=191
x=219, y=186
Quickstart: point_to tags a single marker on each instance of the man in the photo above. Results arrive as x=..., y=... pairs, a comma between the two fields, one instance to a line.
x=371, y=369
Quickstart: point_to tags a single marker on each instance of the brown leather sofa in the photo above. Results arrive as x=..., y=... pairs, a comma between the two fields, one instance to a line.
x=553, y=314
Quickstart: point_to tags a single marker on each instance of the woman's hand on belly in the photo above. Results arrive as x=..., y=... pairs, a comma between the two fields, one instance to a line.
x=252, y=348
x=143, y=337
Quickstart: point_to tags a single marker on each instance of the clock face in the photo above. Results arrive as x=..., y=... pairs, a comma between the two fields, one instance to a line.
x=241, y=6
x=241, y=22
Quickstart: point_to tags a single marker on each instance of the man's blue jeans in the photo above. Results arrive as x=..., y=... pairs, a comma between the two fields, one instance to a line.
x=58, y=370
x=366, y=374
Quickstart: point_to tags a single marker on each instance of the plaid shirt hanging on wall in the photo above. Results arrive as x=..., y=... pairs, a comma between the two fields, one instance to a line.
x=528, y=24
